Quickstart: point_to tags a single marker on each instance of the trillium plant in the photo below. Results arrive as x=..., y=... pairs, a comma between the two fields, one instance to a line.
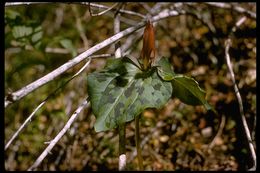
x=126, y=87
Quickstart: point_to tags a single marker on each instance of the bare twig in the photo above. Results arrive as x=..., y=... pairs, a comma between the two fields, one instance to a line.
x=129, y=21
x=118, y=53
x=239, y=9
x=12, y=97
x=125, y=19
x=136, y=37
x=23, y=3
x=150, y=11
x=220, y=130
x=7, y=4
x=127, y=46
x=101, y=56
x=249, y=139
x=166, y=13
x=58, y=137
x=199, y=16
x=103, y=12
x=122, y=154
x=248, y=135
x=23, y=125
x=238, y=23
x=120, y=11
x=57, y=50
x=41, y=104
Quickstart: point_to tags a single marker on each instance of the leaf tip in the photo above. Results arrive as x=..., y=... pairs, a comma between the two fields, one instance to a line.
x=209, y=107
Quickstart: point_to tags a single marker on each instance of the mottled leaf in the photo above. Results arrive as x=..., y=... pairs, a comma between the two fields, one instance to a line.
x=122, y=91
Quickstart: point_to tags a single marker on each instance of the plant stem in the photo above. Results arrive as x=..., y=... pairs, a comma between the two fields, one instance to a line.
x=122, y=156
x=137, y=143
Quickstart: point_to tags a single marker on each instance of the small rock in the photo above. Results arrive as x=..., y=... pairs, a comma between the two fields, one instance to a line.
x=206, y=132
x=219, y=141
x=148, y=114
x=164, y=138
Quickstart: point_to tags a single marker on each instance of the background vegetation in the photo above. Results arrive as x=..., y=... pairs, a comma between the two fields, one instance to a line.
x=177, y=137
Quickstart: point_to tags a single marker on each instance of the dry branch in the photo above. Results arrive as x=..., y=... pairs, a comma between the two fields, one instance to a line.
x=58, y=137
x=220, y=130
x=118, y=52
x=23, y=3
x=239, y=9
x=249, y=139
x=23, y=125
x=120, y=11
x=102, y=12
x=136, y=37
x=247, y=132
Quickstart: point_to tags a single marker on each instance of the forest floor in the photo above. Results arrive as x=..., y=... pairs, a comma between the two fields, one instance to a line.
x=176, y=137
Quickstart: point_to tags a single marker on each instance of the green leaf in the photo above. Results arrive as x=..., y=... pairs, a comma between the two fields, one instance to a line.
x=11, y=14
x=26, y=34
x=188, y=91
x=122, y=91
x=12, y=18
x=185, y=88
x=66, y=43
x=164, y=69
x=37, y=36
x=21, y=31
